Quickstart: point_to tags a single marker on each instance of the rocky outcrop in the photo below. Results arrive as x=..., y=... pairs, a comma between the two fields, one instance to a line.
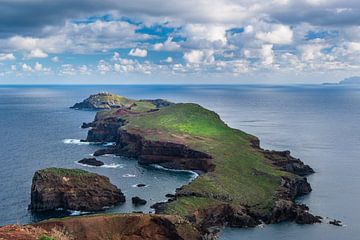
x=138, y=201
x=72, y=189
x=101, y=101
x=91, y=162
x=286, y=162
x=111, y=227
x=159, y=103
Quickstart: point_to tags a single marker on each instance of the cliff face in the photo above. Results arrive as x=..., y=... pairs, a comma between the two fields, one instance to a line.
x=72, y=189
x=112, y=227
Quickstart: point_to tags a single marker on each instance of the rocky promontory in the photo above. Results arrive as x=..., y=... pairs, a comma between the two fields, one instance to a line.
x=72, y=189
x=106, y=226
x=240, y=184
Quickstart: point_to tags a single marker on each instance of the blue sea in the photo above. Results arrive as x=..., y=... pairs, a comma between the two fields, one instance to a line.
x=319, y=124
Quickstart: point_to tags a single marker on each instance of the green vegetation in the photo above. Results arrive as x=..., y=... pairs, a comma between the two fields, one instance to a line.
x=242, y=174
x=46, y=237
x=65, y=172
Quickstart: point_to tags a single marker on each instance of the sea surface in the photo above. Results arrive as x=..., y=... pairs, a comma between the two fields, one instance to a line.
x=319, y=124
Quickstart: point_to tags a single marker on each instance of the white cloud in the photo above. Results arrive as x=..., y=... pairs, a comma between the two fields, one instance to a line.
x=168, y=45
x=7, y=56
x=26, y=68
x=280, y=34
x=137, y=52
x=168, y=60
x=67, y=69
x=267, y=54
x=103, y=67
x=55, y=59
x=37, y=53
x=199, y=56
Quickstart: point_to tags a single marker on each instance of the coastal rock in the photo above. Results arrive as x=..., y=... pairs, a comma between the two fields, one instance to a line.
x=138, y=201
x=336, y=222
x=286, y=162
x=91, y=162
x=111, y=227
x=102, y=101
x=72, y=189
x=141, y=185
x=87, y=125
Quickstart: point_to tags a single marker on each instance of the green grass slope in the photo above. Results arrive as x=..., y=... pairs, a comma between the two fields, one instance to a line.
x=242, y=174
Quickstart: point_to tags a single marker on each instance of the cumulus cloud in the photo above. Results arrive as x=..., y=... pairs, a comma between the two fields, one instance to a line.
x=137, y=52
x=7, y=56
x=37, y=53
x=199, y=56
x=267, y=54
x=280, y=34
x=168, y=45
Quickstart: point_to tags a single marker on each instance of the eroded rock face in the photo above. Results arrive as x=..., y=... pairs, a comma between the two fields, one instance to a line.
x=127, y=227
x=286, y=162
x=72, y=189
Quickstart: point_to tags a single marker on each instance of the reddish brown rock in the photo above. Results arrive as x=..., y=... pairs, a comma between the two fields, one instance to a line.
x=72, y=189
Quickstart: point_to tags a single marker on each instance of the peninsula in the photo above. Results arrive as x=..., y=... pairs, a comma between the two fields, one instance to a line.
x=239, y=183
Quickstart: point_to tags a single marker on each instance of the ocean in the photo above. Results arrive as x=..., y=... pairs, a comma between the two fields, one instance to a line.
x=319, y=124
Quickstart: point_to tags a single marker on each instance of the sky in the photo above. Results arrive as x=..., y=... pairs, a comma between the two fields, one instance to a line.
x=172, y=42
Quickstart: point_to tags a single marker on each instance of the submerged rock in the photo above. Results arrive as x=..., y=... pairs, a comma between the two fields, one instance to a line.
x=91, y=162
x=141, y=185
x=72, y=189
x=138, y=201
x=336, y=222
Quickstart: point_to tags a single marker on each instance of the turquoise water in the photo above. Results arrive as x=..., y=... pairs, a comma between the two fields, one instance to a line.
x=319, y=124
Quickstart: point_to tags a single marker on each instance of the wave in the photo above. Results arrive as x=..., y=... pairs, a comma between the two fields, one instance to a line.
x=128, y=175
x=75, y=141
x=77, y=213
x=194, y=174
x=111, y=165
x=135, y=185
x=109, y=144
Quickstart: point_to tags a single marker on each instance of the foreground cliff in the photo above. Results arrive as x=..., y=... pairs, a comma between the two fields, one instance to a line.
x=240, y=185
x=72, y=189
x=110, y=226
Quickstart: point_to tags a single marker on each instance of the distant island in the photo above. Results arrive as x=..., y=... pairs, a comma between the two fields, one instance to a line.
x=347, y=81
x=239, y=183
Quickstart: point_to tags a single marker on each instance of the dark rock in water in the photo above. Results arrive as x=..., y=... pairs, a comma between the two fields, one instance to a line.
x=138, y=201
x=169, y=195
x=87, y=125
x=286, y=162
x=336, y=222
x=72, y=189
x=102, y=152
x=141, y=185
x=91, y=162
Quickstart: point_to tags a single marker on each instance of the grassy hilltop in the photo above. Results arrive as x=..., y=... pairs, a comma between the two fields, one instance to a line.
x=242, y=174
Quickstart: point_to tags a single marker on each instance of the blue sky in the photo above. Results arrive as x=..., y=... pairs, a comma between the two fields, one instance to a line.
x=151, y=41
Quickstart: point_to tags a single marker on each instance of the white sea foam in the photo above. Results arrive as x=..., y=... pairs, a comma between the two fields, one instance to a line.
x=75, y=141
x=113, y=165
x=77, y=213
x=128, y=175
x=135, y=185
x=193, y=174
x=109, y=144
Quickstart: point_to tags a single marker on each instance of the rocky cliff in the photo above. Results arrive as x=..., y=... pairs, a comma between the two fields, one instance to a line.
x=111, y=227
x=72, y=189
